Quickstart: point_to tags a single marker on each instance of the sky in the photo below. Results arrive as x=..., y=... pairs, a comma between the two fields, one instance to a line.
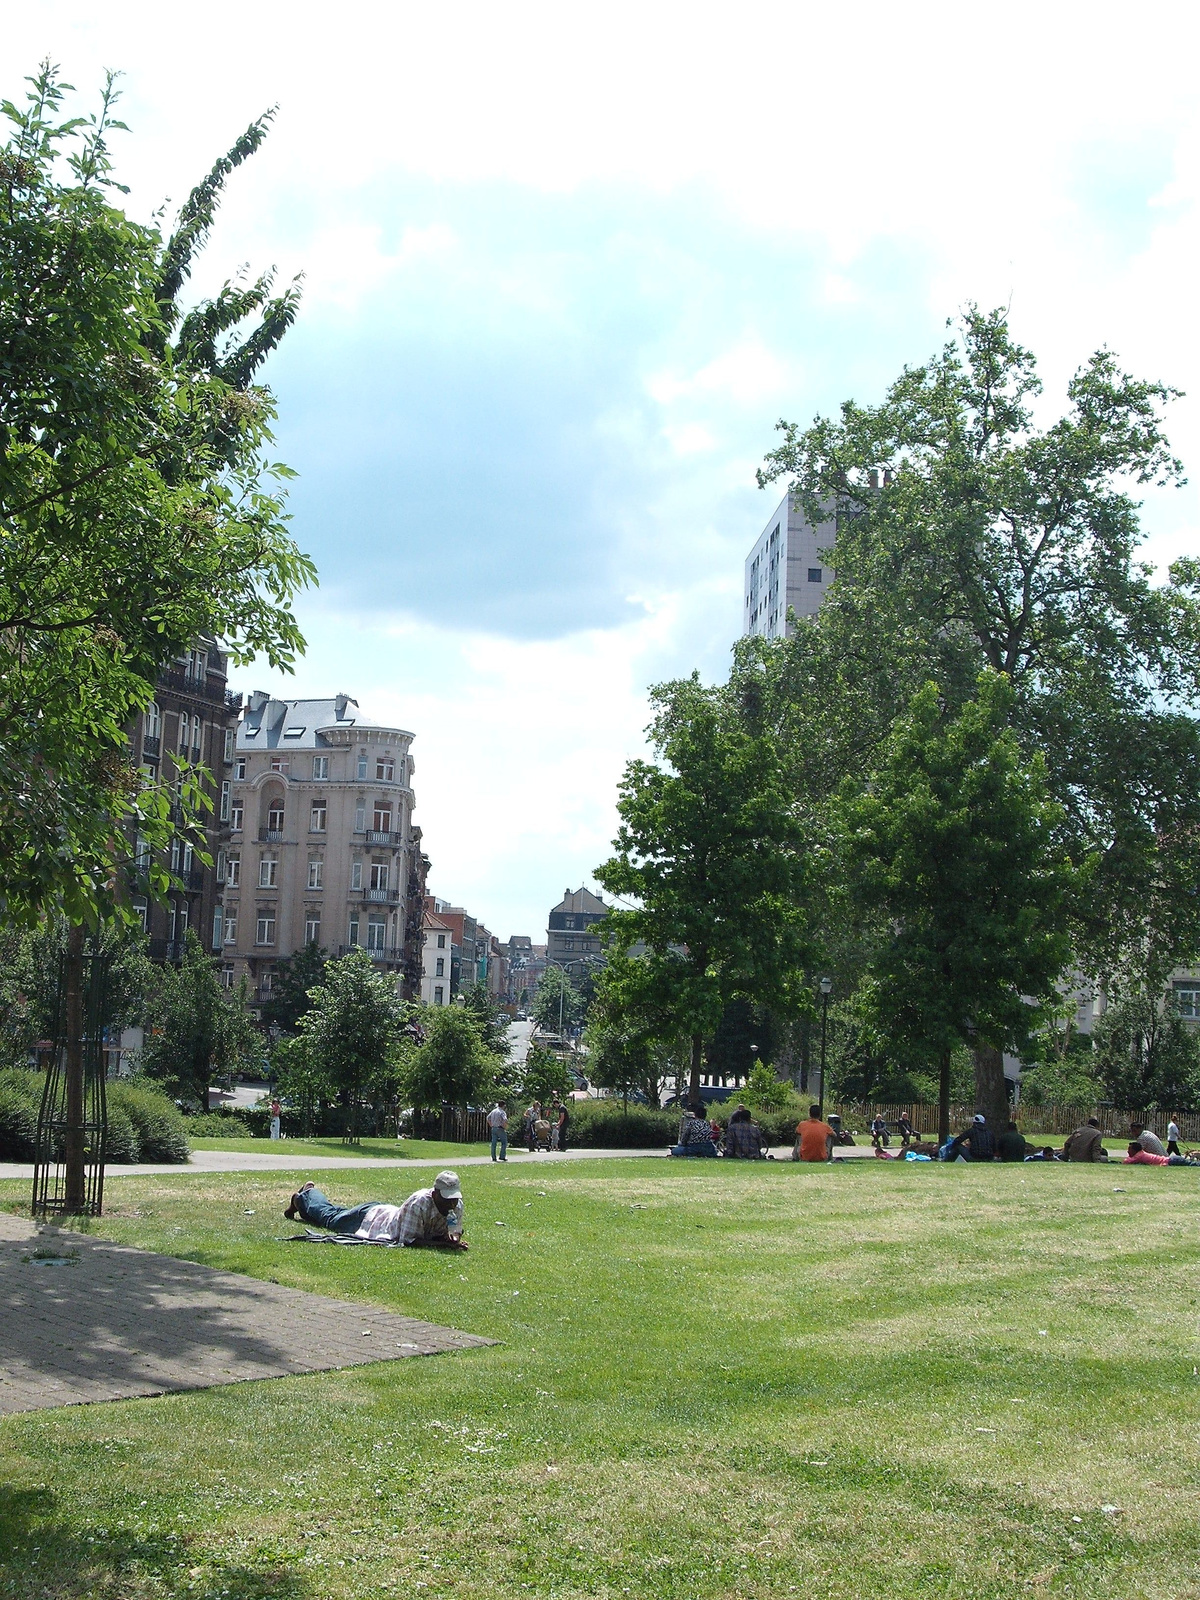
x=564, y=270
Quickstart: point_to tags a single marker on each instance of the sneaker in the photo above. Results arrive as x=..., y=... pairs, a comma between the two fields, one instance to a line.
x=290, y=1213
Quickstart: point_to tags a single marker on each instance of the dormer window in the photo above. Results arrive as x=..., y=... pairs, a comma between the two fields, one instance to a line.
x=293, y=733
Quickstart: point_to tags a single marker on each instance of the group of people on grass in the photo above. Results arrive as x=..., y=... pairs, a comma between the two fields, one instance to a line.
x=744, y=1140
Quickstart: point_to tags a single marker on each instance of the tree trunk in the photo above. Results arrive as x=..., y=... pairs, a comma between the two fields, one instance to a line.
x=990, y=1095
x=944, y=1098
x=75, y=1192
x=697, y=1059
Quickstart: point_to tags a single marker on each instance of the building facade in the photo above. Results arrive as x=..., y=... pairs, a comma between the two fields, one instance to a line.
x=322, y=848
x=786, y=571
x=568, y=940
x=190, y=722
x=437, y=964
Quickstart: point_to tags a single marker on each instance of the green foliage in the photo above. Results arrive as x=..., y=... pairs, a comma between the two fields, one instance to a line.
x=543, y=1075
x=160, y=1130
x=29, y=975
x=20, y=1098
x=743, y=1037
x=196, y=1032
x=143, y=1125
x=218, y=1125
x=139, y=506
x=952, y=848
x=557, y=1003
x=711, y=852
x=289, y=1000
x=491, y=1023
x=453, y=1066
x=1145, y=1055
x=351, y=1034
x=763, y=1091
x=608, y=1125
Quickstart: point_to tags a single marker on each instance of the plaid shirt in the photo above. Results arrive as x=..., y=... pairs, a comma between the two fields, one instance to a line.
x=417, y=1221
x=745, y=1140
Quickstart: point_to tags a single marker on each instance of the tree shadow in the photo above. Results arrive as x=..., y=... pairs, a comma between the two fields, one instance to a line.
x=41, y=1553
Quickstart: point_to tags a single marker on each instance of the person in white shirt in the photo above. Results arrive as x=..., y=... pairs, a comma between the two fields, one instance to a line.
x=1173, y=1138
x=427, y=1217
x=497, y=1121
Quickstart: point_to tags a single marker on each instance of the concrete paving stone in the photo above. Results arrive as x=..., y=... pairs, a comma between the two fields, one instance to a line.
x=106, y=1321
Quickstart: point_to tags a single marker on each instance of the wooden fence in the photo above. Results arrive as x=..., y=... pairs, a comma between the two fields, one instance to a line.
x=1049, y=1120
x=453, y=1125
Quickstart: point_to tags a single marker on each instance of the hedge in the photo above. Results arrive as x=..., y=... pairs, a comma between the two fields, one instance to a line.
x=219, y=1125
x=143, y=1125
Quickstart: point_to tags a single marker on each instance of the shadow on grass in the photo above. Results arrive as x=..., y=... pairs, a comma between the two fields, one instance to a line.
x=42, y=1553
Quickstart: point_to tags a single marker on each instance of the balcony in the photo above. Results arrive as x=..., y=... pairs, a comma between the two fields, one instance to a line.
x=382, y=836
x=200, y=688
x=382, y=897
x=270, y=836
x=392, y=954
x=151, y=747
x=192, y=880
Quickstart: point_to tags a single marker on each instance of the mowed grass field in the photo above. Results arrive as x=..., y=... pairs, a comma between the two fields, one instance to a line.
x=713, y=1380
x=367, y=1149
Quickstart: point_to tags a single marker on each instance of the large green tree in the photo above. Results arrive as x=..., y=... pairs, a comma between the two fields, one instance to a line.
x=353, y=1031
x=453, y=1066
x=295, y=977
x=953, y=850
x=139, y=507
x=969, y=535
x=558, y=1004
x=196, y=1031
x=712, y=856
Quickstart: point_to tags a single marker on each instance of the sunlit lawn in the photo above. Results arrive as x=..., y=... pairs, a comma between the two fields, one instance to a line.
x=369, y=1149
x=714, y=1380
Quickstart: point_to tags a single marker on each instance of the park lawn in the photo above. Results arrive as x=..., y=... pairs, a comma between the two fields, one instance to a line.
x=369, y=1149
x=714, y=1380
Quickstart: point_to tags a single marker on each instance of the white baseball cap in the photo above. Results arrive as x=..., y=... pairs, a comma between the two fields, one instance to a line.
x=448, y=1186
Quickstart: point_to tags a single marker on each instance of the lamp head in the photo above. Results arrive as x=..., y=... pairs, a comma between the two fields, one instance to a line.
x=826, y=985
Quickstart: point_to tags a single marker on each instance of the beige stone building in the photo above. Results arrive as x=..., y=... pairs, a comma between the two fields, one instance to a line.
x=321, y=847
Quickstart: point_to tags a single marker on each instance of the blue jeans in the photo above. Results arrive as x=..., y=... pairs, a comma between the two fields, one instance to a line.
x=320, y=1211
x=500, y=1137
x=705, y=1149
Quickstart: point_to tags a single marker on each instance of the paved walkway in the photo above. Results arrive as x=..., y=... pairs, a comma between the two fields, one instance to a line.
x=279, y=1160
x=103, y=1321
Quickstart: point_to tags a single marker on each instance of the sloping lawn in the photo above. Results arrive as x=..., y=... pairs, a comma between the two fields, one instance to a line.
x=367, y=1149
x=715, y=1381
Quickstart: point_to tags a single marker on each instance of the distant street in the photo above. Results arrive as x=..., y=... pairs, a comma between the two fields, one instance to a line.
x=519, y=1035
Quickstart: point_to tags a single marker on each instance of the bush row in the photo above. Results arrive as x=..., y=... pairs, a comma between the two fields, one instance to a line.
x=143, y=1125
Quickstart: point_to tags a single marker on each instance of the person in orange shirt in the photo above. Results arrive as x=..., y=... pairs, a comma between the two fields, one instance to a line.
x=814, y=1138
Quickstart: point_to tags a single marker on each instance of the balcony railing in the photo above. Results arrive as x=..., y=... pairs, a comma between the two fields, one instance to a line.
x=270, y=835
x=184, y=683
x=382, y=897
x=151, y=746
x=383, y=836
x=392, y=953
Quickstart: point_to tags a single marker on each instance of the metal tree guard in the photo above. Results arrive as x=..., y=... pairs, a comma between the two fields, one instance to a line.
x=72, y=1128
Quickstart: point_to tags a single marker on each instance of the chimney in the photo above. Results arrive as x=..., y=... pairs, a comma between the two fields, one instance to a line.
x=874, y=478
x=257, y=701
x=339, y=706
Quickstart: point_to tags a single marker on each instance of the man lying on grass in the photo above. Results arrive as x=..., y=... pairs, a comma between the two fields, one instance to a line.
x=427, y=1217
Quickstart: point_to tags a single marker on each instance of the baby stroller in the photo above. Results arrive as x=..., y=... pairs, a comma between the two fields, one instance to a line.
x=541, y=1134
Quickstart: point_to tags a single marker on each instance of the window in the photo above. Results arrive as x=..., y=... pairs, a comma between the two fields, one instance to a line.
x=183, y=918
x=265, y=932
x=267, y=869
x=197, y=664
x=353, y=940
x=218, y=928
x=816, y=575
x=293, y=733
x=227, y=974
x=185, y=732
x=174, y=855
x=239, y=768
x=234, y=874
x=275, y=816
x=362, y=764
x=153, y=721
x=221, y=860
x=385, y=769
x=189, y=855
x=441, y=941
x=231, y=925
x=439, y=996
x=320, y=767
x=316, y=866
x=439, y=970
x=312, y=927
x=279, y=764
x=1187, y=999
x=356, y=875
x=383, y=817
x=360, y=816
x=141, y=854
x=379, y=874
x=235, y=818
x=229, y=749
x=140, y=912
x=197, y=738
x=316, y=817
x=266, y=984
x=226, y=792
x=376, y=933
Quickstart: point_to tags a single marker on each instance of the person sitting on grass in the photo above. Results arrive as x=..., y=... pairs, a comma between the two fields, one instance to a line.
x=976, y=1143
x=1011, y=1144
x=1148, y=1139
x=427, y=1217
x=744, y=1139
x=695, y=1137
x=814, y=1138
x=1086, y=1143
x=1046, y=1153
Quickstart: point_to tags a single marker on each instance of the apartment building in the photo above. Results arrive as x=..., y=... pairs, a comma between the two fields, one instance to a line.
x=786, y=570
x=568, y=940
x=322, y=848
x=191, y=721
x=438, y=956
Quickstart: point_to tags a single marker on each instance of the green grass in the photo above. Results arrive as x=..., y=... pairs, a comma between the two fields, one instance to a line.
x=368, y=1149
x=713, y=1381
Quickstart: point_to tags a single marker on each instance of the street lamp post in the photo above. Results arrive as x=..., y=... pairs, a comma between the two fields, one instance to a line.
x=826, y=990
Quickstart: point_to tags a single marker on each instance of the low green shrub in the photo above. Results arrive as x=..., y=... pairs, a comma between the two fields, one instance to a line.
x=606, y=1124
x=123, y=1147
x=20, y=1099
x=218, y=1125
x=161, y=1132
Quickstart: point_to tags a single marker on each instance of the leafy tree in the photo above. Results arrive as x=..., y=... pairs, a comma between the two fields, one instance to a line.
x=763, y=1091
x=138, y=506
x=492, y=1023
x=557, y=1002
x=952, y=849
x=742, y=1038
x=295, y=976
x=1146, y=1055
x=968, y=537
x=453, y=1066
x=195, y=1030
x=353, y=1029
x=712, y=853
x=300, y=1076
x=543, y=1075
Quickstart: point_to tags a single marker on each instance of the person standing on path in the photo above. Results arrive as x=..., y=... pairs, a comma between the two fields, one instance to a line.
x=276, y=1115
x=497, y=1121
x=564, y=1122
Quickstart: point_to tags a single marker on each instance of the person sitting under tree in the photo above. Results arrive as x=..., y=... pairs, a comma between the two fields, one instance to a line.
x=744, y=1139
x=814, y=1138
x=427, y=1217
